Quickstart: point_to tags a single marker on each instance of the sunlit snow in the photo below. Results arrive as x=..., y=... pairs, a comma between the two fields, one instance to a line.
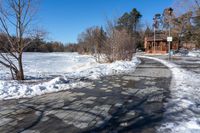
x=183, y=106
x=52, y=72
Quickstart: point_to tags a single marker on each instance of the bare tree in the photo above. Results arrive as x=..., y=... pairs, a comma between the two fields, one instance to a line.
x=120, y=44
x=187, y=22
x=99, y=42
x=85, y=39
x=92, y=41
x=182, y=26
x=15, y=23
x=182, y=6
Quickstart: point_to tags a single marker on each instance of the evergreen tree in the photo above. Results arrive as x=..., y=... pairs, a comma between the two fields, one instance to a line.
x=135, y=18
x=130, y=21
x=124, y=21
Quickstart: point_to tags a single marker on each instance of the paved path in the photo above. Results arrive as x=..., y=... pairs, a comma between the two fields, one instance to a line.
x=128, y=103
x=188, y=63
x=183, y=106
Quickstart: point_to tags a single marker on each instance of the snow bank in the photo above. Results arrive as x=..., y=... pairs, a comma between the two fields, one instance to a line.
x=15, y=90
x=183, y=108
x=194, y=53
x=71, y=68
x=95, y=71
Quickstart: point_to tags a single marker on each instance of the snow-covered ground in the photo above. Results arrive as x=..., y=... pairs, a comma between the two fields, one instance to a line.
x=61, y=71
x=194, y=53
x=183, y=107
x=43, y=65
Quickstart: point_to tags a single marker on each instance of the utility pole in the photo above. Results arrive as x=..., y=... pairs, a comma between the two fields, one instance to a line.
x=169, y=44
x=156, y=24
x=154, y=38
x=169, y=39
x=154, y=34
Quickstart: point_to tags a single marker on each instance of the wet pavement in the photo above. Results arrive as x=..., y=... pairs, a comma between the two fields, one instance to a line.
x=132, y=103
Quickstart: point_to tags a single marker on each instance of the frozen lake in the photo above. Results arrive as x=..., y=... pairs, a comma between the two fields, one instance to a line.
x=42, y=65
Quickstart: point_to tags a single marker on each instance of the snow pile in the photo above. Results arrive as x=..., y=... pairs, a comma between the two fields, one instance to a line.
x=97, y=70
x=194, y=53
x=69, y=76
x=183, y=108
x=15, y=90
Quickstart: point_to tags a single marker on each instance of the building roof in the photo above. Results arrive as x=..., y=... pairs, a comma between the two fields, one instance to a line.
x=158, y=37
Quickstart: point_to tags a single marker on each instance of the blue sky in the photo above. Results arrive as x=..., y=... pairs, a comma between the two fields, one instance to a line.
x=65, y=19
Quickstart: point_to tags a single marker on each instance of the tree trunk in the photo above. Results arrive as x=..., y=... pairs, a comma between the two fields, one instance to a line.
x=179, y=42
x=20, y=73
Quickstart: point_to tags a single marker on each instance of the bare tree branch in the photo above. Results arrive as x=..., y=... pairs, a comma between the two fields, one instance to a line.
x=17, y=17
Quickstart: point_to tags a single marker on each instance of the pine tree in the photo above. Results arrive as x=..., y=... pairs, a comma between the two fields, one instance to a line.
x=130, y=21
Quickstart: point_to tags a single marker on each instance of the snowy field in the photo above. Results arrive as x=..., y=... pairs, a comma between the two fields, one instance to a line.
x=52, y=72
x=183, y=107
x=44, y=65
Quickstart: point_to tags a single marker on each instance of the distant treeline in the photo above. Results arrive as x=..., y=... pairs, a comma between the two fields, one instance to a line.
x=38, y=45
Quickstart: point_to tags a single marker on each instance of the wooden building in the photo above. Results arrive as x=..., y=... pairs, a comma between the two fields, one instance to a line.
x=161, y=44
